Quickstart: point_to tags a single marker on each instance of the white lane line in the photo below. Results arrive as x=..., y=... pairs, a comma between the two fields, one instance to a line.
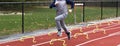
x=73, y=36
x=113, y=34
x=118, y=45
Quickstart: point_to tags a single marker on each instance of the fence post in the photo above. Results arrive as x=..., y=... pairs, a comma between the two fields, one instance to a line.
x=101, y=10
x=75, y=15
x=117, y=8
x=22, y=17
x=83, y=11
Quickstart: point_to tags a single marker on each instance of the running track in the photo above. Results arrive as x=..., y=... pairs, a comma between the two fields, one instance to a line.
x=102, y=34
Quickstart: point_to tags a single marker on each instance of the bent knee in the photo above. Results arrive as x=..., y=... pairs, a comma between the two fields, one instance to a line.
x=57, y=19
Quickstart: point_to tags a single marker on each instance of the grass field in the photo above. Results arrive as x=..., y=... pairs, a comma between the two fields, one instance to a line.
x=43, y=18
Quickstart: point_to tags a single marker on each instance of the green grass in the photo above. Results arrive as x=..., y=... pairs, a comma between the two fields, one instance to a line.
x=43, y=18
x=94, y=13
x=10, y=24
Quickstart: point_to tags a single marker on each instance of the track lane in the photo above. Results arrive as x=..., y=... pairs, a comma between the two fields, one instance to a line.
x=44, y=38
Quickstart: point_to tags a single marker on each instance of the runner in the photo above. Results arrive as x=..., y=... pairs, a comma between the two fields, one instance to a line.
x=61, y=14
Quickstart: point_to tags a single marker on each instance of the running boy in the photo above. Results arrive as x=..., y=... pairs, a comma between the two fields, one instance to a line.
x=61, y=14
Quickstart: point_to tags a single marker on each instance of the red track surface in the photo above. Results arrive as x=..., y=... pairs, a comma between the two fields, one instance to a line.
x=106, y=34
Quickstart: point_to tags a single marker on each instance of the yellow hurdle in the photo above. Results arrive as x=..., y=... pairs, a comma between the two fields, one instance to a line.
x=81, y=29
x=87, y=37
x=96, y=26
x=110, y=22
x=118, y=21
x=88, y=26
x=71, y=29
x=100, y=24
x=51, y=42
x=26, y=37
x=50, y=33
x=76, y=34
x=104, y=31
x=94, y=30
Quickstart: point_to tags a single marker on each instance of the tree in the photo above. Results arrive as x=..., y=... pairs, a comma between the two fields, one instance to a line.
x=11, y=0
